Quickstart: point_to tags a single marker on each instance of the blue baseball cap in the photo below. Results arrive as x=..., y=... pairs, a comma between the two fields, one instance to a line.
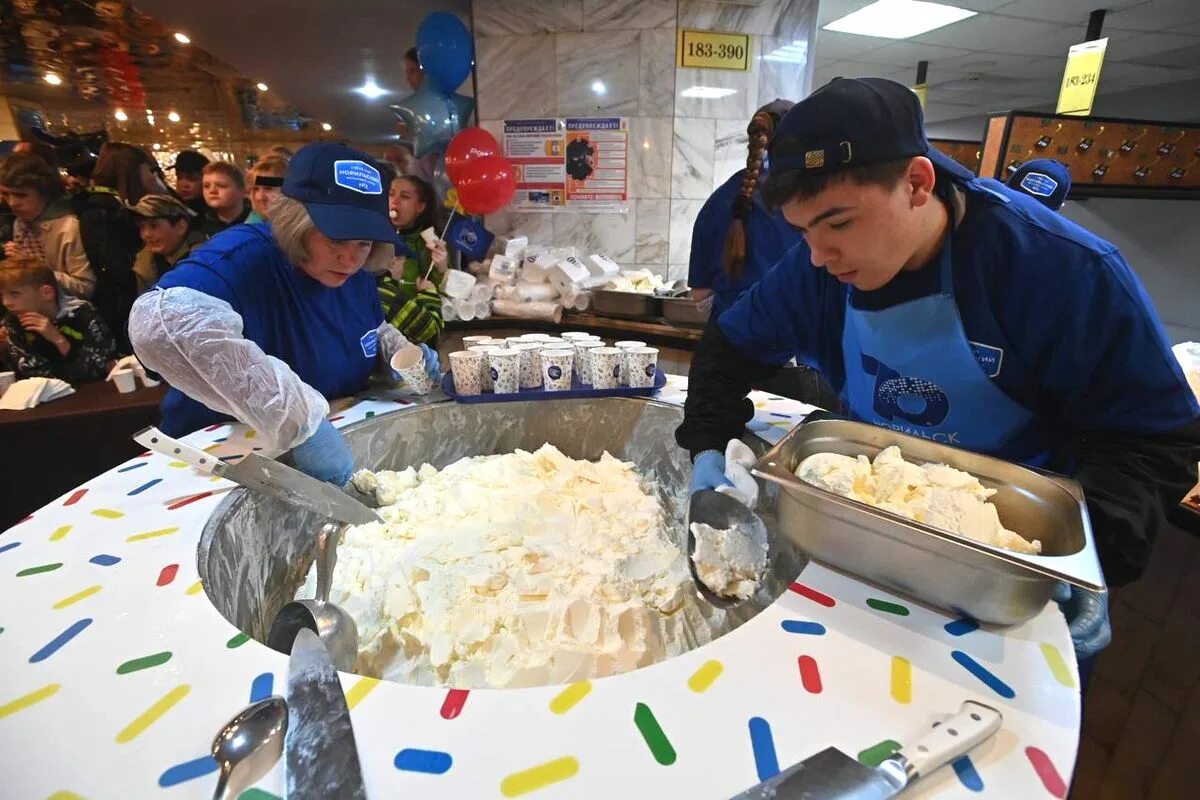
x=1045, y=180
x=855, y=122
x=344, y=192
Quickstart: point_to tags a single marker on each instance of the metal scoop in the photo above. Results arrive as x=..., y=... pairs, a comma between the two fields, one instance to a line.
x=335, y=627
x=249, y=745
x=718, y=510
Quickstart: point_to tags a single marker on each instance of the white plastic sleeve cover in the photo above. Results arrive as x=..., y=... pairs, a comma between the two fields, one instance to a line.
x=391, y=341
x=195, y=341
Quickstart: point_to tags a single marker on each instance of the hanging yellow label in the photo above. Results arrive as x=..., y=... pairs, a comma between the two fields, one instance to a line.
x=1081, y=77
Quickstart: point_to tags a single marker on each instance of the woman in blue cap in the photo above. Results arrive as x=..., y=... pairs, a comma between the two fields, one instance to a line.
x=950, y=307
x=736, y=239
x=1044, y=179
x=267, y=321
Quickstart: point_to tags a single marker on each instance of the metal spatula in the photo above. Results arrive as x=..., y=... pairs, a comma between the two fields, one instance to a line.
x=265, y=475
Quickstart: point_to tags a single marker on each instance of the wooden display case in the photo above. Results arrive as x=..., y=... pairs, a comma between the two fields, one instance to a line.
x=1107, y=156
x=964, y=151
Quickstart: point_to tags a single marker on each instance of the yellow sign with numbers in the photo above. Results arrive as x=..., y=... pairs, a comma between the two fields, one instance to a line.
x=708, y=50
x=1081, y=77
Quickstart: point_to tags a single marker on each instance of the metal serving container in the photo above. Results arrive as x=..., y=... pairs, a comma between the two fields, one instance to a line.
x=629, y=305
x=953, y=572
x=255, y=550
x=683, y=311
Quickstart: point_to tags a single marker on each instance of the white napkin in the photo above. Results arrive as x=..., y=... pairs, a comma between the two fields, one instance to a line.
x=738, y=460
x=29, y=392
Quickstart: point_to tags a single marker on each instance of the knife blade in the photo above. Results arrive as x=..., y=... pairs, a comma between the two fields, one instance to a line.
x=265, y=475
x=321, y=756
x=833, y=775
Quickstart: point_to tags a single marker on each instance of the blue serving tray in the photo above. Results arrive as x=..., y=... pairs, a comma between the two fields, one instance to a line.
x=577, y=390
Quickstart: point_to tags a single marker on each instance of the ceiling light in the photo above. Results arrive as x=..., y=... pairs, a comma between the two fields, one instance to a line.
x=182, y=38
x=707, y=92
x=598, y=87
x=262, y=87
x=371, y=90
x=157, y=146
x=325, y=126
x=898, y=19
x=121, y=115
x=173, y=116
x=52, y=79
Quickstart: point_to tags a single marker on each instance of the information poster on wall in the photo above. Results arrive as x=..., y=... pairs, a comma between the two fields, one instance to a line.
x=569, y=164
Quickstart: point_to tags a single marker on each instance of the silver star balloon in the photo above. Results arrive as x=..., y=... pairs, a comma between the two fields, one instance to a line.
x=432, y=118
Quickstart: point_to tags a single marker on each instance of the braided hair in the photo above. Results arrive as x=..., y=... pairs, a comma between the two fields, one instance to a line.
x=759, y=131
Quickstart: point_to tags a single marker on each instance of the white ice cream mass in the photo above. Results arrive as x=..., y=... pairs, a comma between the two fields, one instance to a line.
x=514, y=570
x=934, y=494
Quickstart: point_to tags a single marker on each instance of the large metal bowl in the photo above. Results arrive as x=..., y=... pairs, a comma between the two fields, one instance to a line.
x=255, y=550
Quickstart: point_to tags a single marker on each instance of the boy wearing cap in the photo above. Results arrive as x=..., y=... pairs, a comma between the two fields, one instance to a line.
x=950, y=307
x=47, y=333
x=164, y=223
x=265, y=322
x=1045, y=180
x=189, y=180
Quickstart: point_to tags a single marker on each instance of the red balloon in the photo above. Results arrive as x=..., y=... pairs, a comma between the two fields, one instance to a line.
x=486, y=184
x=467, y=145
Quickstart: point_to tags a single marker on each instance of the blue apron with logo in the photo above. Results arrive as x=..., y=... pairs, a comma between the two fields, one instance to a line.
x=911, y=368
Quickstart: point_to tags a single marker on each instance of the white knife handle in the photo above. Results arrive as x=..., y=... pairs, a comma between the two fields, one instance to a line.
x=974, y=724
x=153, y=439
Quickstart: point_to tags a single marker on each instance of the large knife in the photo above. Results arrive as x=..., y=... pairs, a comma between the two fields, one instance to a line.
x=833, y=775
x=265, y=475
x=321, y=757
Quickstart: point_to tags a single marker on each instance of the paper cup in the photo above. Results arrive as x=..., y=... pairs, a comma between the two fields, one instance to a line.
x=505, y=366
x=535, y=337
x=485, y=369
x=606, y=367
x=571, y=336
x=410, y=363
x=7, y=379
x=556, y=369
x=511, y=340
x=125, y=380
x=531, y=364
x=641, y=364
x=471, y=341
x=555, y=342
x=626, y=345
x=466, y=367
x=583, y=361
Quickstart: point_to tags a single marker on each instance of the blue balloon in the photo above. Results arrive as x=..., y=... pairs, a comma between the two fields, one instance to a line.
x=431, y=117
x=446, y=51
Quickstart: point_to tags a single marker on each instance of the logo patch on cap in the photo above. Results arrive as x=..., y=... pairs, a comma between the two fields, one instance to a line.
x=1039, y=184
x=357, y=176
x=814, y=159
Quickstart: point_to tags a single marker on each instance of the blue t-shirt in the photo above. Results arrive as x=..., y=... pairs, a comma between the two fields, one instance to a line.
x=768, y=237
x=327, y=336
x=1055, y=315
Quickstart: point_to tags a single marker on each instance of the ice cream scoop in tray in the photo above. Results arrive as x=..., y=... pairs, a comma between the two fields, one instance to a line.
x=539, y=393
x=944, y=569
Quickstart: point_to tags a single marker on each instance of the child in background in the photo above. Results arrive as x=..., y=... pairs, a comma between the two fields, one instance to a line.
x=266, y=182
x=48, y=333
x=410, y=299
x=225, y=195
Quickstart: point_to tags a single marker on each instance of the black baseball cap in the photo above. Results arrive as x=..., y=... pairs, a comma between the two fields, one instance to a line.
x=189, y=161
x=344, y=192
x=854, y=122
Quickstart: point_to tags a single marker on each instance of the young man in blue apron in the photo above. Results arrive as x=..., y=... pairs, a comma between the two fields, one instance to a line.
x=952, y=308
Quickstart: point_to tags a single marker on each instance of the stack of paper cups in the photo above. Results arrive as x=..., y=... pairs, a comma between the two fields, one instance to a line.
x=641, y=365
x=465, y=309
x=506, y=370
x=556, y=369
x=626, y=345
x=449, y=314
x=583, y=361
x=483, y=309
x=606, y=367
x=466, y=367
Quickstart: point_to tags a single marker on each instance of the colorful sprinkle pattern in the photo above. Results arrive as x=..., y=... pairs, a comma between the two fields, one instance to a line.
x=119, y=554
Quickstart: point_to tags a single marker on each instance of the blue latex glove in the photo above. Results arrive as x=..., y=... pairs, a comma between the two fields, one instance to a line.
x=325, y=456
x=432, y=367
x=708, y=471
x=1087, y=619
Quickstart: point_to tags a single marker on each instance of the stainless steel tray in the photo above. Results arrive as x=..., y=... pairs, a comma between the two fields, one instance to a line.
x=938, y=567
x=630, y=305
x=683, y=311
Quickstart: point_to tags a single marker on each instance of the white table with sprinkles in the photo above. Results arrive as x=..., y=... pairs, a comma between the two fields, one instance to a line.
x=118, y=671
